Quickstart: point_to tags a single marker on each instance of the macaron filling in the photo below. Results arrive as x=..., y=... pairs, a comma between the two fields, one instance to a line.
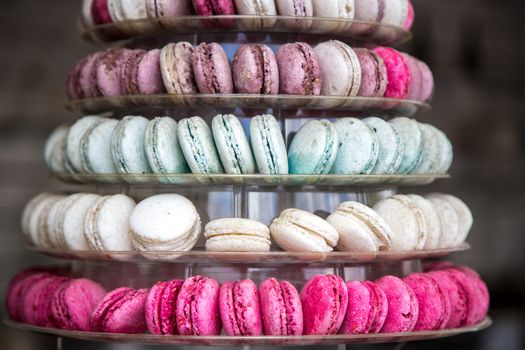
x=310, y=76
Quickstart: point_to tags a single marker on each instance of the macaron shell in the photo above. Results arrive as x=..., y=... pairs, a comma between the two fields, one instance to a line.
x=343, y=9
x=240, y=308
x=354, y=234
x=420, y=218
x=483, y=295
x=403, y=309
x=398, y=72
x=433, y=221
x=381, y=306
x=429, y=156
x=297, y=239
x=297, y=8
x=212, y=69
x=227, y=226
x=255, y=70
x=95, y=148
x=237, y=243
x=127, y=314
x=259, y=8
x=456, y=295
x=16, y=287
x=73, y=222
x=427, y=82
x=74, y=136
x=403, y=222
x=37, y=302
x=268, y=145
x=374, y=76
x=213, y=7
x=176, y=68
x=312, y=223
x=168, y=316
x=107, y=72
x=127, y=146
x=100, y=12
x=391, y=146
x=55, y=142
x=445, y=154
x=361, y=311
x=149, y=77
x=465, y=218
x=413, y=140
x=299, y=70
x=450, y=225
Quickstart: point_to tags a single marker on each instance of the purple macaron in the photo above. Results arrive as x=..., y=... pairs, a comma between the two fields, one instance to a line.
x=255, y=70
x=212, y=69
x=374, y=78
x=299, y=70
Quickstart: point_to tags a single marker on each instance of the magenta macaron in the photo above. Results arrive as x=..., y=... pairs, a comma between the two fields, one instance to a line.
x=37, y=301
x=121, y=311
x=403, y=308
x=282, y=313
x=17, y=288
x=100, y=12
x=299, y=69
x=215, y=8
x=255, y=70
x=240, y=308
x=212, y=69
x=367, y=308
x=374, y=76
x=198, y=307
x=324, y=299
x=398, y=72
x=161, y=303
x=73, y=303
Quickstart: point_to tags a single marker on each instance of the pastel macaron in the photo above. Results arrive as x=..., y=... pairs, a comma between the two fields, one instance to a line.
x=391, y=146
x=297, y=230
x=432, y=220
x=143, y=74
x=127, y=146
x=413, y=140
x=54, y=150
x=257, y=8
x=337, y=9
x=443, y=203
x=198, y=147
x=398, y=72
x=212, y=69
x=95, y=148
x=176, y=68
x=168, y=8
x=299, y=70
x=296, y=8
x=232, y=145
x=121, y=311
x=105, y=80
x=314, y=148
x=237, y=235
x=450, y=221
x=340, y=67
x=255, y=70
x=73, y=303
x=374, y=76
x=197, y=309
x=240, y=308
x=358, y=147
x=72, y=145
x=445, y=154
x=281, y=309
x=403, y=307
x=325, y=300
x=160, y=308
x=268, y=145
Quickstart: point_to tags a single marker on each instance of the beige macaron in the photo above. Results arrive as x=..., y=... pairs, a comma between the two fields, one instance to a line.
x=237, y=235
x=432, y=219
x=443, y=203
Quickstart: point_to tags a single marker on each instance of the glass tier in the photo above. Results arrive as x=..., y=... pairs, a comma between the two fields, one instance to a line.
x=358, y=105
x=259, y=341
x=348, y=30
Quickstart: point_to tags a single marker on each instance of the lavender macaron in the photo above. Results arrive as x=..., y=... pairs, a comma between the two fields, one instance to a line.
x=255, y=70
x=212, y=69
x=299, y=69
x=141, y=73
x=374, y=78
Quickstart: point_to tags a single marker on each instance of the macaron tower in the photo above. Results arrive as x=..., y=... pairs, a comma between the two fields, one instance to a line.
x=251, y=153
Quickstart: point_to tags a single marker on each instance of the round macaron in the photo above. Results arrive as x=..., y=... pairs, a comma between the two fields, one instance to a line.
x=95, y=148
x=129, y=71
x=464, y=215
x=450, y=221
x=30, y=215
x=403, y=307
x=160, y=307
x=374, y=76
x=268, y=145
x=37, y=301
x=54, y=149
x=149, y=78
x=176, y=68
x=18, y=286
x=358, y=147
x=240, y=308
x=391, y=146
x=413, y=140
x=296, y=8
x=314, y=148
x=257, y=8
x=237, y=235
x=106, y=77
x=255, y=70
x=429, y=154
x=281, y=309
x=445, y=153
x=432, y=219
x=299, y=70
x=127, y=146
x=398, y=72
x=100, y=12
x=38, y=225
x=212, y=69
x=168, y=8
x=336, y=9
x=74, y=136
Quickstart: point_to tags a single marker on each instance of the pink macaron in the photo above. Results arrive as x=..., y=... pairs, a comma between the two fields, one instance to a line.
x=456, y=296
x=403, y=308
x=410, y=16
x=73, y=303
x=105, y=77
x=212, y=69
x=299, y=70
x=367, y=308
x=17, y=288
x=140, y=73
x=398, y=72
x=483, y=292
x=255, y=70
x=324, y=299
x=37, y=302
x=128, y=72
x=100, y=12
x=374, y=77
x=215, y=8
x=121, y=311
x=433, y=302
x=161, y=317
x=240, y=308
x=282, y=313
x=198, y=307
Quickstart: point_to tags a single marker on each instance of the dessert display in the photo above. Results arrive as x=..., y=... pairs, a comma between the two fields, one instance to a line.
x=235, y=180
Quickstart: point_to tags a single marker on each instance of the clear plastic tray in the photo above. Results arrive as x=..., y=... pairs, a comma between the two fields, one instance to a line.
x=348, y=30
x=362, y=105
x=260, y=340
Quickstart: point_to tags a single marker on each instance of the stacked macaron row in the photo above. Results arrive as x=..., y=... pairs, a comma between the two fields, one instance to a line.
x=392, y=12
x=447, y=297
x=136, y=145
x=332, y=68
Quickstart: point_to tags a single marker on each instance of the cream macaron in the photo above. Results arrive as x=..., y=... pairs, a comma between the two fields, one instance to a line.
x=237, y=235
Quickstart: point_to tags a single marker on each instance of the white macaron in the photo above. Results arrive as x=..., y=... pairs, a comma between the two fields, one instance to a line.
x=237, y=235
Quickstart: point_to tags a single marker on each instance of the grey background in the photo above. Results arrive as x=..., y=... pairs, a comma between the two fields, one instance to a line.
x=474, y=48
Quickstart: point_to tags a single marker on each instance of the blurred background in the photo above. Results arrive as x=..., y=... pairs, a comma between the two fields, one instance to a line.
x=475, y=50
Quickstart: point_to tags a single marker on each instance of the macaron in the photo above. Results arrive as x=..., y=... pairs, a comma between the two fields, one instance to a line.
x=483, y=292
x=429, y=154
x=95, y=148
x=297, y=230
x=121, y=311
x=409, y=21
x=360, y=228
x=450, y=221
x=471, y=297
x=52, y=239
x=299, y=69
x=129, y=71
x=54, y=150
x=197, y=307
x=281, y=309
x=427, y=82
x=296, y=8
x=72, y=146
x=433, y=302
x=17, y=287
x=258, y=8
x=148, y=75
x=168, y=8
x=367, y=308
x=160, y=307
x=237, y=235
x=367, y=12
x=163, y=148
x=37, y=300
x=391, y=146
x=358, y=147
x=325, y=300
x=413, y=140
x=73, y=87
x=105, y=80
x=445, y=153
x=232, y=144
x=432, y=219
x=456, y=296
x=403, y=307
x=337, y=9
x=30, y=215
x=127, y=146
x=213, y=7
x=176, y=68
x=163, y=223
x=106, y=225
x=240, y=308
x=314, y=148
x=124, y=12
x=255, y=70
x=100, y=12
x=87, y=16
x=374, y=75
x=73, y=303
x=198, y=147
x=398, y=72
x=395, y=13
x=38, y=226
x=87, y=76
x=268, y=145
x=341, y=71
x=212, y=69
x=464, y=215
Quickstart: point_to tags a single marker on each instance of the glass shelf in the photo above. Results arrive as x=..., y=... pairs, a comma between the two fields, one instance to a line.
x=252, y=340
x=362, y=105
x=344, y=29
x=273, y=257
